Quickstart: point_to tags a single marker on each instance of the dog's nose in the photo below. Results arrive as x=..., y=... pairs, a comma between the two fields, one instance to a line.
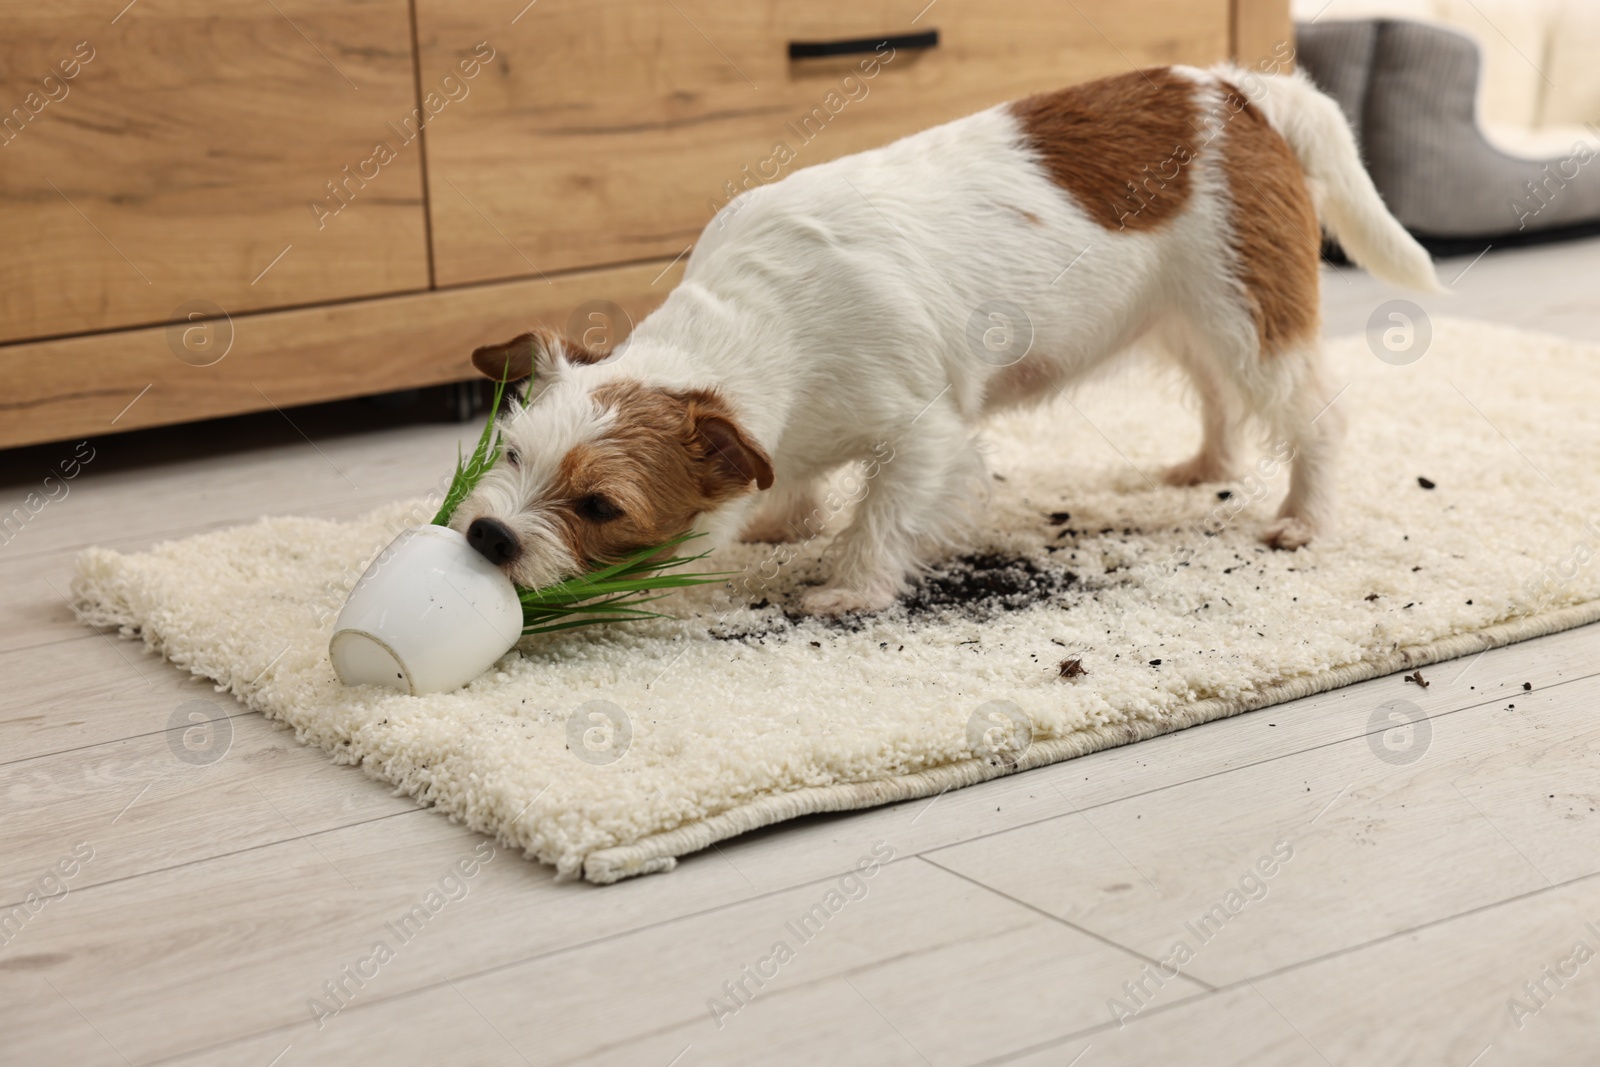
x=493, y=540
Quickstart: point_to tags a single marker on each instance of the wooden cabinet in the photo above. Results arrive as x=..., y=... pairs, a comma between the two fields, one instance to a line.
x=607, y=131
x=236, y=204
x=180, y=161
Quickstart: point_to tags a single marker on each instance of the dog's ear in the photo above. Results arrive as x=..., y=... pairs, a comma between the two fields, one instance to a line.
x=509, y=361
x=730, y=458
x=543, y=354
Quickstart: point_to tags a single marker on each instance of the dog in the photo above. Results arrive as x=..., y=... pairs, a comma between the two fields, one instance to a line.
x=881, y=298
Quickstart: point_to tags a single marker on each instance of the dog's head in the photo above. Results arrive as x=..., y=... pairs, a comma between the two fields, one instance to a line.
x=598, y=465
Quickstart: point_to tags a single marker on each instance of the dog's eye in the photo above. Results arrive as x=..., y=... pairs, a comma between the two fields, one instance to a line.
x=512, y=457
x=597, y=508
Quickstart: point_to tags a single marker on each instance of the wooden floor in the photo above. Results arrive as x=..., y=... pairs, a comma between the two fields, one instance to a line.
x=1347, y=892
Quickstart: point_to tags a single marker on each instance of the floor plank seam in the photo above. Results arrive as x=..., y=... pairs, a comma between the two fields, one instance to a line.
x=1094, y=1031
x=236, y=852
x=140, y=542
x=1245, y=982
x=242, y=713
x=1069, y=924
x=57, y=641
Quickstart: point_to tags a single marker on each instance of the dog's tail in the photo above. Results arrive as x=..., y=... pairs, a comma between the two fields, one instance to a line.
x=1346, y=200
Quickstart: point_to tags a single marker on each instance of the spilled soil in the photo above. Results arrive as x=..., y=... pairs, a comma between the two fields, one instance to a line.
x=974, y=587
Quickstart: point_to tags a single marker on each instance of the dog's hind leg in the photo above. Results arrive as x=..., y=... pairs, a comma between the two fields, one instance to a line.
x=919, y=489
x=1270, y=233
x=1217, y=460
x=1308, y=422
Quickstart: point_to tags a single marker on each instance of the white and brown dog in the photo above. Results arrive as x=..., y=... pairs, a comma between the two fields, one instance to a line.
x=831, y=311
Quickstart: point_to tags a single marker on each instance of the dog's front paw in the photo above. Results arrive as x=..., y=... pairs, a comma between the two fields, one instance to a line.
x=1288, y=532
x=840, y=600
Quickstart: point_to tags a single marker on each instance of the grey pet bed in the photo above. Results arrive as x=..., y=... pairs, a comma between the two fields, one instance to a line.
x=1410, y=92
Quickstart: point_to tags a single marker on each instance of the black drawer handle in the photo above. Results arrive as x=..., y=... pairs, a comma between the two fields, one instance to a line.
x=819, y=49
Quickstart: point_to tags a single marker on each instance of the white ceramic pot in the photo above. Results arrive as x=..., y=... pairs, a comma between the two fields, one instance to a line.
x=428, y=616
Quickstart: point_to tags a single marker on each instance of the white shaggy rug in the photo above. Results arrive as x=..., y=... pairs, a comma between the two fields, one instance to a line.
x=734, y=717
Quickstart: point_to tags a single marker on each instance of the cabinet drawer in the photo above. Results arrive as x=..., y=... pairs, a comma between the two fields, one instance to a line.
x=182, y=157
x=606, y=131
x=106, y=383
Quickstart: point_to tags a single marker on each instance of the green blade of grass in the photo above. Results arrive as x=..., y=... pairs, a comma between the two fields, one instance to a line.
x=638, y=572
x=468, y=474
x=578, y=594
x=611, y=593
x=616, y=610
x=619, y=603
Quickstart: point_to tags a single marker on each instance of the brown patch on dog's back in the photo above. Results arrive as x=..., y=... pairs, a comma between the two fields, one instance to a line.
x=664, y=459
x=1121, y=146
x=1276, y=235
